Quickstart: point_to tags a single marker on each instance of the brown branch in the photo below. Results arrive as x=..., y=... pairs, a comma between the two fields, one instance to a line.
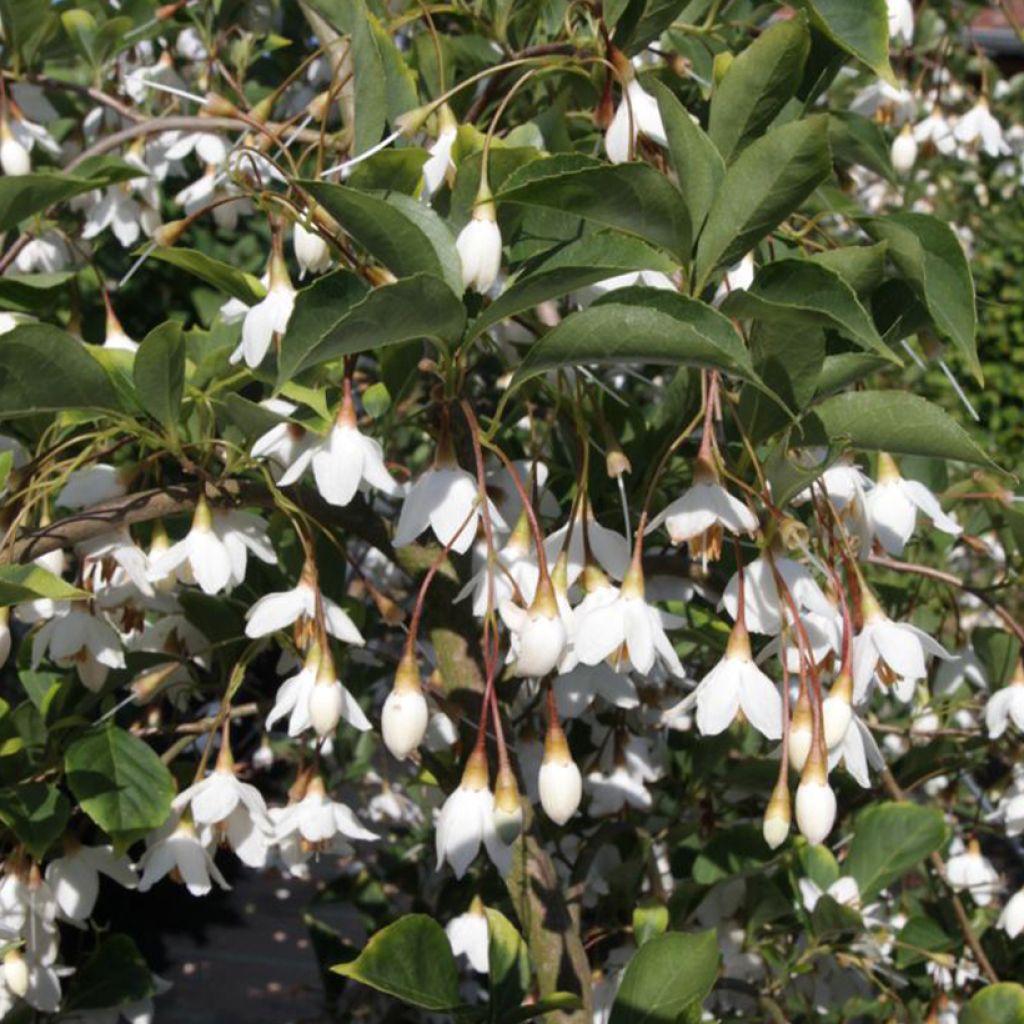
x=88, y=91
x=892, y=787
x=176, y=499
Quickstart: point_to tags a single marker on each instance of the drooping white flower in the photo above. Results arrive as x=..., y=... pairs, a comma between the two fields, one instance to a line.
x=738, y=277
x=628, y=764
x=14, y=158
x=75, y=877
x=514, y=568
x=970, y=870
x=446, y=499
x=283, y=443
x=901, y=21
x=904, y=151
x=559, y=783
x=343, y=461
x=47, y=253
x=1006, y=706
x=844, y=890
x=858, y=752
x=815, y=801
x=440, y=166
x=608, y=547
x=312, y=253
x=1011, y=920
x=703, y=511
x=763, y=603
x=405, y=714
x=893, y=652
x=537, y=635
x=176, y=848
x=214, y=552
x=77, y=636
x=936, y=129
x=321, y=822
x=92, y=485
x=282, y=608
x=5, y=634
x=619, y=624
x=467, y=819
x=979, y=127
x=637, y=114
x=576, y=690
x=892, y=506
x=269, y=316
x=737, y=683
x=469, y=936
x=479, y=244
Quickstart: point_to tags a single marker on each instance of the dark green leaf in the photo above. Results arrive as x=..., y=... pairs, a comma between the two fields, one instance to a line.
x=799, y=291
x=43, y=369
x=28, y=582
x=929, y=255
x=37, y=814
x=861, y=29
x=862, y=267
x=889, y=840
x=920, y=934
x=632, y=197
x=859, y=141
x=399, y=231
x=665, y=977
x=999, y=650
x=894, y=421
x=27, y=292
x=410, y=959
x=159, y=373
x=698, y=165
x=236, y=283
x=593, y=258
x=643, y=21
x=119, y=782
x=768, y=182
x=757, y=85
x=115, y=974
x=508, y=963
x=839, y=370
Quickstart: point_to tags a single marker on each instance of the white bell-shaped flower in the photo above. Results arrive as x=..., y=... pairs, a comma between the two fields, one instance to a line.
x=479, y=244
x=269, y=316
x=971, y=871
x=763, y=604
x=469, y=936
x=343, y=461
x=75, y=877
x=1011, y=920
x=1006, y=705
x=901, y=21
x=77, y=636
x=537, y=634
x=14, y=157
x=312, y=253
x=608, y=547
x=737, y=683
x=176, y=849
x=559, y=782
x=893, y=503
x=904, y=151
x=405, y=714
x=637, y=114
x=857, y=752
x=467, y=819
x=815, y=800
x=320, y=821
x=440, y=166
x=978, y=127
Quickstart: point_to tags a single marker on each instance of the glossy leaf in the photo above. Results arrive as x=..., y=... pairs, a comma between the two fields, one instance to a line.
x=222, y=276
x=861, y=29
x=760, y=81
x=632, y=197
x=399, y=231
x=911, y=426
x=856, y=140
x=36, y=813
x=798, y=291
x=862, y=267
x=159, y=373
x=666, y=976
x=44, y=369
x=1002, y=1003
x=698, y=165
x=889, y=840
x=508, y=963
x=768, y=182
x=411, y=960
x=640, y=325
x=120, y=783
x=928, y=254
x=27, y=292
x=28, y=582
x=593, y=258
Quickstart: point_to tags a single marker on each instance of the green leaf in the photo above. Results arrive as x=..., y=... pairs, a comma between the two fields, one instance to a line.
x=640, y=325
x=896, y=422
x=1002, y=1003
x=28, y=582
x=25, y=26
x=564, y=1001
x=23, y=195
x=399, y=231
x=860, y=141
x=889, y=840
x=410, y=959
x=222, y=276
x=757, y=85
x=643, y=21
x=421, y=306
x=650, y=919
x=819, y=865
x=586, y=261
x=27, y=292
x=862, y=267
x=999, y=650
x=508, y=963
x=830, y=918
x=798, y=291
x=698, y=165
x=920, y=933
x=37, y=814
x=632, y=197
x=861, y=29
x=6, y=464
x=768, y=182
x=928, y=254
x=119, y=782
x=159, y=373
x=665, y=977
x=44, y=369
x=115, y=974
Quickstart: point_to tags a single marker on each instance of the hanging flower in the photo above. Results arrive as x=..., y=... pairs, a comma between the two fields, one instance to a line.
x=637, y=114
x=468, y=935
x=75, y=877
x=269, y=317
x=479, y=243
x=176, y=849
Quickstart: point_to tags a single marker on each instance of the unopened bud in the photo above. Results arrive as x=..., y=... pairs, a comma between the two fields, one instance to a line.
x=146, y=685
x=405, y=715
x=801, y=733
x=837, y=711
x=815, y=801
x=777, y=816
x=216, y=105
x=16, y=972
x=170, y=233
x=325, y=700
x=617, y=462
x=560, y=782
x=508, y=807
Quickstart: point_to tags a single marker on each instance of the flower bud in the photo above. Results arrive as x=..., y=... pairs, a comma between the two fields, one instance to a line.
x=311, y=252
x=815, y=801
x=508, y=807
x=264, y=756
x=904, y=151
x=777, y=816
x=479, y=244
x=325, y=700
x=405, y=715
x=16, y=972
x=801, y=733
x=14, y=158
x=837, y=711
x=5, y=634
x=170, y=233
x=542, y=636
x=560, y=782
x=216, y=105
